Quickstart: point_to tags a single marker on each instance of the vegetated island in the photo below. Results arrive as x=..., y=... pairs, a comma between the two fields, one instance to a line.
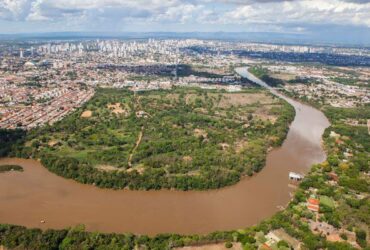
x=8, y=168
x=183, y=138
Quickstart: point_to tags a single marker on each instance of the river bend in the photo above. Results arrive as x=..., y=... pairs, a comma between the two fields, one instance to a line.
x=35, y=195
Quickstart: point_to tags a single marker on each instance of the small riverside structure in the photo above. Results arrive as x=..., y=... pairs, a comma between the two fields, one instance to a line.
x=295, y=177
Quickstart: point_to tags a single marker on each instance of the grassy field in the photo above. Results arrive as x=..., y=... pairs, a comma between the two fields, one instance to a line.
x=178, y=134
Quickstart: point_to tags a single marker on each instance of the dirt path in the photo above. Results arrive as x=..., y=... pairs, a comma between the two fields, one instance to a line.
x=138, y=141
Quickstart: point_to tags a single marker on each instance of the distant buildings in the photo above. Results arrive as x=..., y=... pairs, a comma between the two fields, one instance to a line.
x=41, y=77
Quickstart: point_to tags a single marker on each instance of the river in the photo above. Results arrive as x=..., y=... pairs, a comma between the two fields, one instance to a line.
x=36, y=195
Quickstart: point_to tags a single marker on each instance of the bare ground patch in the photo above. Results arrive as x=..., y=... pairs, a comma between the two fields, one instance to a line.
x=265, y=117
x=200, y=132
x=187, y=158
x=283, y=76
x=224, y=146
x=108, y=168
x=139, y=168
x=52, y=143
x=240, y=99
x=218, y=246
x=86, y=114
x=117, y=109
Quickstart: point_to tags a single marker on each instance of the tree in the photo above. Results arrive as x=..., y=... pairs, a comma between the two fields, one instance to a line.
x=361, y=237
x=228, y=244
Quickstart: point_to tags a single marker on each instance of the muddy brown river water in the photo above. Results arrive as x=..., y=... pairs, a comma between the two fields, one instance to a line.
x=27, y=198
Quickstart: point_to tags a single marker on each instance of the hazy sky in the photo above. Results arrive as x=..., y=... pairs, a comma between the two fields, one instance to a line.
x=294, y=16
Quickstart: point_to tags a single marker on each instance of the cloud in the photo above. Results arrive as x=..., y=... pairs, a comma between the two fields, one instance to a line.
x=113, y=10
x=301, y=12
x=246, y=2
x=292, y=15
x=181, y=14
x=14, y=9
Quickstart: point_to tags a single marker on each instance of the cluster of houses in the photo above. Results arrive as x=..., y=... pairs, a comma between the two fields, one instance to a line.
x=275, y=236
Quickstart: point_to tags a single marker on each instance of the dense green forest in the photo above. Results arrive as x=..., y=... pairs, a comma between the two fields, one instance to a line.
x=9, y=139
x=162, y=139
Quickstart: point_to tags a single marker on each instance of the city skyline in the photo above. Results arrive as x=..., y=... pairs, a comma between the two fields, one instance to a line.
x=343, y=21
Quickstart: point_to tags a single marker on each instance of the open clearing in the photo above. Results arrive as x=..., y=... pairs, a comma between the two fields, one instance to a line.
x=117, y=109
x=219, y=246
x=86, y=114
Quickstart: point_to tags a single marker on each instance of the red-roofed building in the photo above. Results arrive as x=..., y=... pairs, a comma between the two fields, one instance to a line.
x=313, y=204
x=264, y=246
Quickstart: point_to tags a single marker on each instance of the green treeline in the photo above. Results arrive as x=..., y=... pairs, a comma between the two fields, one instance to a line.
x=10, y=138
x=76, y=238
x=7, y=168
x=150, y=179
